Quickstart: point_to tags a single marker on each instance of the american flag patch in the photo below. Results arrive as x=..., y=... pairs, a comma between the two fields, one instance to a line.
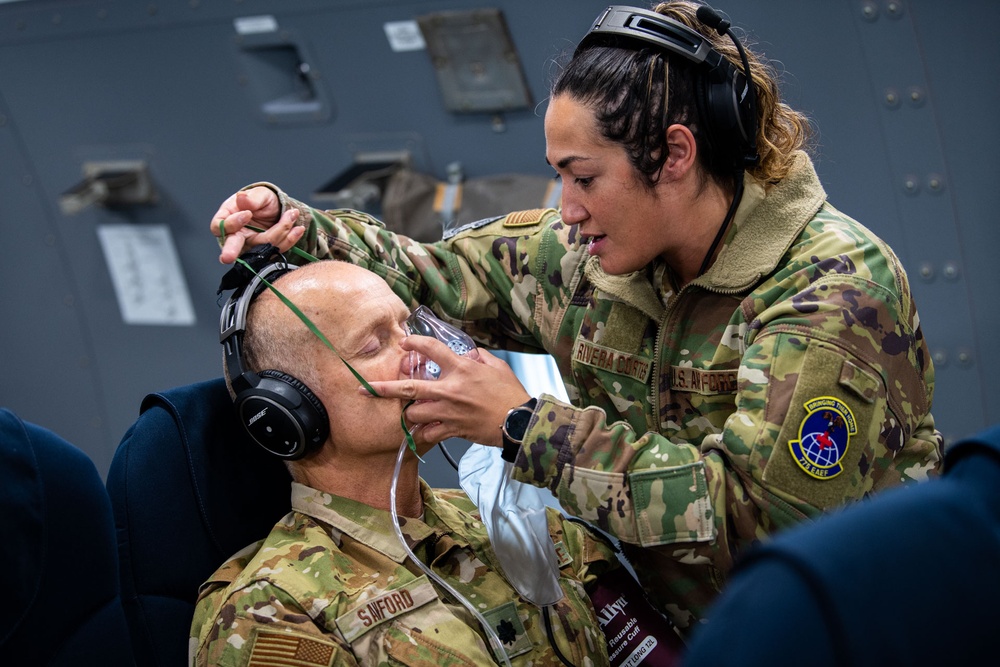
x=281, y=649
x=524, y=218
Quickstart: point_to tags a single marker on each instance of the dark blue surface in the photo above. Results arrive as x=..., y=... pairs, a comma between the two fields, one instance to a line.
x=57, y=547
x=910, y=577
x=189, y=489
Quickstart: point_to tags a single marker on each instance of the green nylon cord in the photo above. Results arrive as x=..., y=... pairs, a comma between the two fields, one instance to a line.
x=319, y=334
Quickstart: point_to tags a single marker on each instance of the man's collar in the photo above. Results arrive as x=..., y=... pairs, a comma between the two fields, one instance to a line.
x=373, y=527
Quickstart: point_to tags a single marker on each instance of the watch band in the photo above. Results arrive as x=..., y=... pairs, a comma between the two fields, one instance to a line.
x=514, y=427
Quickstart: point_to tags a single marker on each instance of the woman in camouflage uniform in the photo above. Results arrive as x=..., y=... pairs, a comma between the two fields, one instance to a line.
x=731, y=371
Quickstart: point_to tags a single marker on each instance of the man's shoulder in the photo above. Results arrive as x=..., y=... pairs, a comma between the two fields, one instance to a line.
x=456, y=498
x=295, y=557
x=229, y=571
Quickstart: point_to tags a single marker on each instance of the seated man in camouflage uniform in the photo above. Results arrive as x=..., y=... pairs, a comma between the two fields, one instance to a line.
x=332, y=584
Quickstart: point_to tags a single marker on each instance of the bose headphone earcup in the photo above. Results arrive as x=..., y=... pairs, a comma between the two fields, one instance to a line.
x=282, y=415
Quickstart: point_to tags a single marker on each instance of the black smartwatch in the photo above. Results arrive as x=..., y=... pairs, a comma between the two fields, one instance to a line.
x=514, y=427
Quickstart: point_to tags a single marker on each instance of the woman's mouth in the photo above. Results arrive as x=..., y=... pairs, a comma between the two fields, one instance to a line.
x=595, y=243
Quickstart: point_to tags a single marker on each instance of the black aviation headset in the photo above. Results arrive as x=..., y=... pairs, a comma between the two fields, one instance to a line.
x=280, y=412
x=727, y=103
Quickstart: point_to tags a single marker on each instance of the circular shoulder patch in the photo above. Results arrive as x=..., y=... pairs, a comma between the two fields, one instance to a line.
x=824, y=436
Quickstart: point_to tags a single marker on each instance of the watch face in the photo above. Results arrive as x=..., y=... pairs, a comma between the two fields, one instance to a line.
x=517, y=423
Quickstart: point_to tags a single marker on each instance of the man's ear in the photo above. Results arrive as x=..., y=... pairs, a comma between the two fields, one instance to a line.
x=683, y=151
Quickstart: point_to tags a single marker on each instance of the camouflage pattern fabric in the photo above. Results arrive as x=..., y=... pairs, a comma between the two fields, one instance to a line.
x=332, y=585
x=790, y=378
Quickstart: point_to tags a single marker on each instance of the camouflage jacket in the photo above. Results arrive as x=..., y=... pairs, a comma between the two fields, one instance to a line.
x=332, y=585
x=790, y=378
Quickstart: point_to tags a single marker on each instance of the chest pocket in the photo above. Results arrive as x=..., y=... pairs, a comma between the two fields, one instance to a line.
x=702, y=349
x=612, y=360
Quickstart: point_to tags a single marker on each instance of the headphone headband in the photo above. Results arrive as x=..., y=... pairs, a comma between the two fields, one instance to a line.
x=650, y=27
x=233, y=322
x=726, y=98
x=278, y=411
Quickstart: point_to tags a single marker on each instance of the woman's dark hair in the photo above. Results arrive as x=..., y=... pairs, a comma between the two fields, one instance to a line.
x=625, y=88
x=637, y=94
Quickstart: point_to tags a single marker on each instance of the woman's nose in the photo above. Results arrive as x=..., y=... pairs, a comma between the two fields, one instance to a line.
x=572, y=213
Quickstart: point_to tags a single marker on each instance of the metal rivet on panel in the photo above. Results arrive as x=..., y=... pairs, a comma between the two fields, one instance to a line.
x=891, y=98
x=894, y=9
x=950, y=271
x=940, y=358
x=916, y=96
x=935, y=183
x=911, y=185
x=927, y=272
x=869, y=11
x=964, y=358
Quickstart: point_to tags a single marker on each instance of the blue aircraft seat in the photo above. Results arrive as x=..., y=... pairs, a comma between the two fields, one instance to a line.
x=189, y=489
x=61, y=603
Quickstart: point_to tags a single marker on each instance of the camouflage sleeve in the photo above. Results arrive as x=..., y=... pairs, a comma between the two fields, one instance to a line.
x=616, y=478
x=257, y=623
x=482, y=280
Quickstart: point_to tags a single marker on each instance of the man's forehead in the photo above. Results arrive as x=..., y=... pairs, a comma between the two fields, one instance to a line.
x=371, y=315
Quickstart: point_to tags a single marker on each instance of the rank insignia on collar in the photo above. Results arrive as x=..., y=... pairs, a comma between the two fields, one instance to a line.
x=824, y=436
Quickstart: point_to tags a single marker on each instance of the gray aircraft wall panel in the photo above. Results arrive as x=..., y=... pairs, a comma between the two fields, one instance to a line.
x=47, y=349
x=962, y=60
x=172, y=84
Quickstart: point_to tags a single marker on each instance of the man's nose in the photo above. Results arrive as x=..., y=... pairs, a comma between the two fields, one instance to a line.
x=408, y=363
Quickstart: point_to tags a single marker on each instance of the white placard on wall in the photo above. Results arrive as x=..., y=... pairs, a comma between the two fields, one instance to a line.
x=147, y=275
